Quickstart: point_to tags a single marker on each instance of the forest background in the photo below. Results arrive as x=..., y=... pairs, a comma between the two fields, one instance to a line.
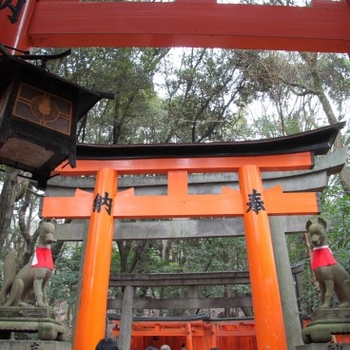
x=164, y=95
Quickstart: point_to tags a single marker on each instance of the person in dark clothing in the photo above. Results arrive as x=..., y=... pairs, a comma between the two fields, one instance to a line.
x=107, y=344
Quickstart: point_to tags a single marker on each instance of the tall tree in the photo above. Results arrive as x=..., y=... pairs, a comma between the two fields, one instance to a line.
x=324, y=75
x=7, y=203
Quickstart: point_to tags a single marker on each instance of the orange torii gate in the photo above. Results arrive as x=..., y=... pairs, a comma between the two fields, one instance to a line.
x=251, y=202
x=106, y=204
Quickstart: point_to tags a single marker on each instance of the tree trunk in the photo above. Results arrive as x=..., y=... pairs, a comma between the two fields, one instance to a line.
x=7, y=203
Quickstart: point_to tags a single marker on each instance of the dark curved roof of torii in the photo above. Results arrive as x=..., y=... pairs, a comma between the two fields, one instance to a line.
x=318, y=141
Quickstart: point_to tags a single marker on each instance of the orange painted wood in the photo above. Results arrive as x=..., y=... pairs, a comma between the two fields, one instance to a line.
x=300, y=203
x=169, y=332
x=189, y=340
x=191, y=24
x=161, y=325
x=179, y=327
x=15, y=34
x=213, y=335
x=165, y=332
x=177, y=183
x=268, y=313
x=95, y=273
x=237, y=333
x=279, y=162
x=227, y=204
x=179, y=204
x=226, y=335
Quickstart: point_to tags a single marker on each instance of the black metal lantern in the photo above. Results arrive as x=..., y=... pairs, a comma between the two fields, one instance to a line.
x=39, y=112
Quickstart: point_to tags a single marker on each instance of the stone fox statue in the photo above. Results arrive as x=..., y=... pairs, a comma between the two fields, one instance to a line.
x=331, y=276
x=33, y=276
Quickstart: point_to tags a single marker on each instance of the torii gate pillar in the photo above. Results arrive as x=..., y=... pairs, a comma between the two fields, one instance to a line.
x=269, y=324
x=91, y=311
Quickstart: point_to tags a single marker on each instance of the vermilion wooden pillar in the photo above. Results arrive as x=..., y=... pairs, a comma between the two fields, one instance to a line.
x=267, y=306
x=213, y=337
x=91, y=313
x=189, y=339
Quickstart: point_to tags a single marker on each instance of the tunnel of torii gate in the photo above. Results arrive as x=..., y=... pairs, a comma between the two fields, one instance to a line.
x=251, y=201
x=322, y=27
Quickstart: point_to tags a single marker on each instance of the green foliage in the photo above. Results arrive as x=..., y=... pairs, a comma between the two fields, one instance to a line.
x=214, y=254
x=201, y=91
x=337, y=206
x=64, y=280
x=335, y=71
x=115, y=261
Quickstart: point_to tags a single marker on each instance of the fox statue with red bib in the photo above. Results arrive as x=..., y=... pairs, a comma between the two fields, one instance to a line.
x=34, y=275
x=332, y=277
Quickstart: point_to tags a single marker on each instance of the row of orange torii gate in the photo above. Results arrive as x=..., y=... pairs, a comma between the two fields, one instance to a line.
x=324, y=27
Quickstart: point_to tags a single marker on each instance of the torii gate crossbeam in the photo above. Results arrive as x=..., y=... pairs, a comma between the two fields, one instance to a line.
x=322, y=27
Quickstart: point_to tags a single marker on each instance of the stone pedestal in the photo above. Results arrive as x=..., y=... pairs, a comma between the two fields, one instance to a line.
x=326, y=322
x=323, y=346
x=38, y=320
x=34, y=345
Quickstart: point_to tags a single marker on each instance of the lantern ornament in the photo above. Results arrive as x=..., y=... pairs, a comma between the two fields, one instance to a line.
x=39, y=112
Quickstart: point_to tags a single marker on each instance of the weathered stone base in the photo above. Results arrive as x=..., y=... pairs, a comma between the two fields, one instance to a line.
x=326, y=322
x=34, y=345
x=30, y=320
x=324, y=346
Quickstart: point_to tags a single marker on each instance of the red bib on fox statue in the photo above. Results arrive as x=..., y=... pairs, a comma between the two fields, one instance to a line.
x=322, y=256
x=43, y=258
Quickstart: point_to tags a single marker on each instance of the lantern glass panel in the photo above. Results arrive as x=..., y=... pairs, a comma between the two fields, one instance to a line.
x=43, y=108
